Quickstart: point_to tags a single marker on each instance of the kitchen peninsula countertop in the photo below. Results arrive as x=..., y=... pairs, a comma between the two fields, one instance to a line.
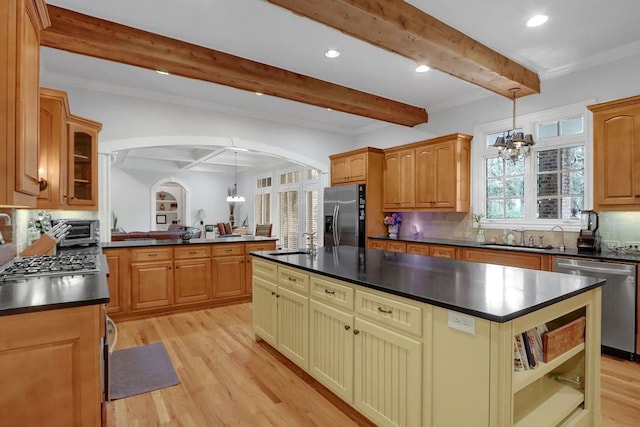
x=54, y=292
x=163, y=242
x=487, y=291
x=604, y=255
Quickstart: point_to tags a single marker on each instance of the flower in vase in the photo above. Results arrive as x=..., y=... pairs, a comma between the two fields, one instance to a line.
x=392, y=219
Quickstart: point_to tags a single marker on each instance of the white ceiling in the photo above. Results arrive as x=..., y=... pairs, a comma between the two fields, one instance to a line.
x=579, y=34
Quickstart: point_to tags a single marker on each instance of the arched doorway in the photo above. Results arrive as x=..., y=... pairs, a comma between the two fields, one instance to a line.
x=170, y=203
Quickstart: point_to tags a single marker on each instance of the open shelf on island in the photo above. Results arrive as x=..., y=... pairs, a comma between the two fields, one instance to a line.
x=548, y=400
x=522, y=379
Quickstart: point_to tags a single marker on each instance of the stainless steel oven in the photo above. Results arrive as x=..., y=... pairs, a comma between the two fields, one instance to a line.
x=83, y=232
x=619, y=296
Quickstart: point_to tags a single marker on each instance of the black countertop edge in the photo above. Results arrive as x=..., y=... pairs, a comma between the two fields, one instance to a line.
x=164, y=242
x=604, y=255
x=53, y=306
x=453, y=268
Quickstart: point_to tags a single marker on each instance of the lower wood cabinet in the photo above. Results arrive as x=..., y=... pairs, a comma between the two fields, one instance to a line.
x=50, y=367
x=441, y=251
x=418, y=249
x=508, y=258
x=378, y=244
x=228, y=276
x=192, y=280
x=396, y=247
x=151, y=285
x=118, y=263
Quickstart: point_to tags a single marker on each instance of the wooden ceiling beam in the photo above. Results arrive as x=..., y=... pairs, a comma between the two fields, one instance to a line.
x=399, y=27
x=86, y=35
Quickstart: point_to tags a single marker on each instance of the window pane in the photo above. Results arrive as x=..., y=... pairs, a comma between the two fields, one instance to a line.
x=572, y=158
x=515, y=186
x=548, y=130
x=547, y=184
x=514, y=168
x=289, y=219
x=495, y=209
x=571, y=126
x=514, y=208
x=571, y=207
x=262, y=209
x=312, y=174
x=491, y=139
x=548, y=208
x=495, y=188
x=573, y=183
x=495, y=167
x=311, y=212
x=290, y=177
x=547, y=160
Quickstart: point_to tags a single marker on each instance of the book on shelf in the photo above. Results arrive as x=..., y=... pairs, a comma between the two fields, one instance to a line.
x=528, y=349
x=523, y=354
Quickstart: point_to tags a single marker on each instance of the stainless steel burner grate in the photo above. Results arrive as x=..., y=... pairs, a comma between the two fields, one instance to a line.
x=59, y=265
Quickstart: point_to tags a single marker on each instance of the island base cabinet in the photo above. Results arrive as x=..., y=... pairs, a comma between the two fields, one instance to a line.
x=388, y=376
x=331, y=349
x=265, y=310
x=293, y=326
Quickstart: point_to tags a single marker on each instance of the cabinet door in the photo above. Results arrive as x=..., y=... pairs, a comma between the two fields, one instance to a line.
x=377, y=244
x=617, y=157
x=418, y=249
x=192, y=280
x=388, y=375
x=436, y=175
x=50, y=370
x=228, y=276
x=265, y=310
x=293, y=326
x=53, y=148
x=357, y=167
x=396, y=247
x=507, y=258
x=82, y=173
x=339, y=170
x=331, y=349
x=399, y=179
x=117, y=262
x=151, y=285
x=438, y=251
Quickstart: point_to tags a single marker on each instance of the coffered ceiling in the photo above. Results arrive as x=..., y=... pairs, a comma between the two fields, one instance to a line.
x=579, y=34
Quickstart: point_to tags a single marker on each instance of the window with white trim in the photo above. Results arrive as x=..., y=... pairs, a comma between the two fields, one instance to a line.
x=550, y=186
x=262, y=200
x=289, y=208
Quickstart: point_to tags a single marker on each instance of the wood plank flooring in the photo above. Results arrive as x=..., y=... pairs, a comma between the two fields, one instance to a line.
x=227, y=379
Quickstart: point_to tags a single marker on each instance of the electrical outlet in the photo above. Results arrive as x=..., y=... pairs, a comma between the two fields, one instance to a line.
x=462, y=322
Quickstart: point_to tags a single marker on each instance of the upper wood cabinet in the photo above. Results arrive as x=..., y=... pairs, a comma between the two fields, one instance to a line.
x=68, y=155
x=431, y=175
x=399, y=179
x=349, y=168
x=20, y=25
x=616, y=143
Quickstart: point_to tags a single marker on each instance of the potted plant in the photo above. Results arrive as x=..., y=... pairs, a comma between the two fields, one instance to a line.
x=392, y=221
x=477, y=218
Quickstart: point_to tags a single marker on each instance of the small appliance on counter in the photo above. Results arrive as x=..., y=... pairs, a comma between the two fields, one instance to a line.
x=589, y=239
x=81, y=232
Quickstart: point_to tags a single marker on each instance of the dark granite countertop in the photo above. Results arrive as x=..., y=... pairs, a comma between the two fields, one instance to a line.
x=54, y=292
x=153, y=242
x=604, y=255
x=488, y=291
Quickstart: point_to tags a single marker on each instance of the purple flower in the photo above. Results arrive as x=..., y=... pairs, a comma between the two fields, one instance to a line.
x=392, y=219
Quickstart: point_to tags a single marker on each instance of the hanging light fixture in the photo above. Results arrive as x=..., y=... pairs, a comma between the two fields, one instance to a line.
x=514, y=144
x=234, y=198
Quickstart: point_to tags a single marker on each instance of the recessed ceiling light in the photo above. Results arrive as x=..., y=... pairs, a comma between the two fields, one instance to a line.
x=332, y=53
x=422, y=69
x=259, y=93
x=537, y=20
x=164, y=73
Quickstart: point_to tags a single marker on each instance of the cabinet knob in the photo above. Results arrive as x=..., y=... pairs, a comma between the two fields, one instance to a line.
x=177, y=267
x=277, y=295
x=356, y=332
x=169, y=268
x=272, y=293
x=347, y=327
x=330, y=292
x=382, y=310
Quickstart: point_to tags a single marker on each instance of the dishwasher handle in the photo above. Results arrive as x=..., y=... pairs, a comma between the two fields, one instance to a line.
x=601, y=270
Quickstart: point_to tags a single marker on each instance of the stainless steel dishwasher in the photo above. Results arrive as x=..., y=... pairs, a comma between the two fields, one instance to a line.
x=618, y=301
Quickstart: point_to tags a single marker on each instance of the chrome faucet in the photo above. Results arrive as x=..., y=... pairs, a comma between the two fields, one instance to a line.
x=311, y=246
x=521, y=231
x=561, y=247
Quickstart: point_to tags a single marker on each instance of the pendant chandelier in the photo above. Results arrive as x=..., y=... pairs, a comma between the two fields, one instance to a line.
x=514, y=144
x=234, y=198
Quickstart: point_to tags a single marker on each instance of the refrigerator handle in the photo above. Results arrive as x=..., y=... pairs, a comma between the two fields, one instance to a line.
x=336, y=234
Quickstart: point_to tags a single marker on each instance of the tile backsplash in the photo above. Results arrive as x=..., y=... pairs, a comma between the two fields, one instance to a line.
x=616, y=228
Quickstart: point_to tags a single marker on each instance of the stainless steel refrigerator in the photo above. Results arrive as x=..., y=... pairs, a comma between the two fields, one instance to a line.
x=344, y=215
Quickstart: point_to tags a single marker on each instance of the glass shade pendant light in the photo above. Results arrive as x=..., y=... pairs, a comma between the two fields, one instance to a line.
x=514, y=143
x=234, y=198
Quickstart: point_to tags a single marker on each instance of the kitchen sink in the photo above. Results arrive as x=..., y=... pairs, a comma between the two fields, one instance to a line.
x=279, y=253
x=530, y=248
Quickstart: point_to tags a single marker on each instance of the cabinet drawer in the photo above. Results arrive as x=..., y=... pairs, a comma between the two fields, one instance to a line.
x=192, y=252
x=264, y=269
x=262, y=246
x=293, y=279
x=413, y=248
x=332, y=292
x=378, y=244
x=151, y=254
x=443, y=251
x=390, y=312
x=397, y=247
x=227, y=249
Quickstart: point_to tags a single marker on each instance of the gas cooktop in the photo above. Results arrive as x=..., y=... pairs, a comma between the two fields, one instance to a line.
x=57, y=265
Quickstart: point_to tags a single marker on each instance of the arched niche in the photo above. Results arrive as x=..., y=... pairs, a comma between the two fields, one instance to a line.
x=170, y=203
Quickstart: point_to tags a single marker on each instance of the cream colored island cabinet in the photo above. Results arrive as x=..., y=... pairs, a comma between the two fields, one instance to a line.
x=400, y=362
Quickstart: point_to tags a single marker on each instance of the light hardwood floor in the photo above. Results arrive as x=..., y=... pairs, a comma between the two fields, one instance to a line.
x=227, y=379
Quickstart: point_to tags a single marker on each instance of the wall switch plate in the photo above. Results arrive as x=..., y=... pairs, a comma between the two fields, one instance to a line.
x=462, y=322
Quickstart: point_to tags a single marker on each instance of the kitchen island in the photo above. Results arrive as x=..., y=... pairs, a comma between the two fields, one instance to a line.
x=412, y=340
